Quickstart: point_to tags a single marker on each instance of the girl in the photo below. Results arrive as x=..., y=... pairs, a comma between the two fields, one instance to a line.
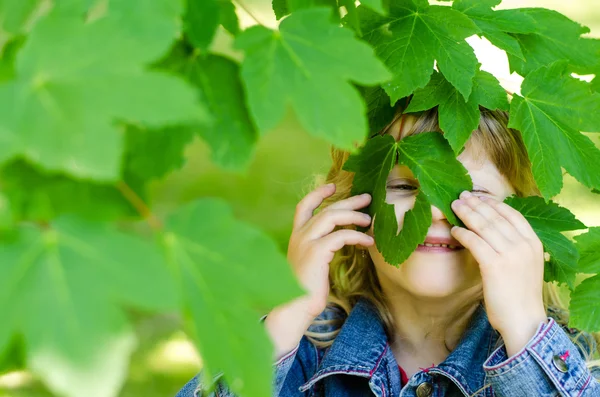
x=467, y=314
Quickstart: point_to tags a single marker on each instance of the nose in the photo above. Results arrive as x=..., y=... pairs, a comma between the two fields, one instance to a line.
x=437, y=214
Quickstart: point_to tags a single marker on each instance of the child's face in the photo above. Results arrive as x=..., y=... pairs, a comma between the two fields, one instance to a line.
x=428, y=273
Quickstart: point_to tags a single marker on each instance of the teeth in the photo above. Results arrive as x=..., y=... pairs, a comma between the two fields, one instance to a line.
x=440, y=245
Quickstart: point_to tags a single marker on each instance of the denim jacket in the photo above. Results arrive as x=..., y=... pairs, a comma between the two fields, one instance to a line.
x=360, y=363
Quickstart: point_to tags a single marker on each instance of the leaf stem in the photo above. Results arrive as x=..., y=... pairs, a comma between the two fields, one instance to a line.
x=240, y=4
x=140, y=206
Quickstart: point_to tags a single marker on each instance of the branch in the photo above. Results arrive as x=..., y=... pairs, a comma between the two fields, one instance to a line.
x=139, y=205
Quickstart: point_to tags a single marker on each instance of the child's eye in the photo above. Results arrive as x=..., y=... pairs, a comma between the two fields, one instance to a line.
x=403, y=187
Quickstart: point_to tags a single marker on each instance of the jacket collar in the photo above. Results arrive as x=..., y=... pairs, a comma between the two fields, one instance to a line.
x=361, y=345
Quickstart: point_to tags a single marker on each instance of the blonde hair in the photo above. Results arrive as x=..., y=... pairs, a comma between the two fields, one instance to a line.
x=352, y=276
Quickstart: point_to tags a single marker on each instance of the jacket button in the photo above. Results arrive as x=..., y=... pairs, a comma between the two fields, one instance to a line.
x=560, y=364
x=424, y=389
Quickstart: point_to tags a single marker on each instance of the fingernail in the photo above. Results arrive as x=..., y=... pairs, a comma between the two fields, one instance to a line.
x=465, y=194
x=457, y=202
x=365, y=195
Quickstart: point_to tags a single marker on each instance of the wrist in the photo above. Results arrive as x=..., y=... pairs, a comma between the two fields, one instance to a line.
x=520, y=333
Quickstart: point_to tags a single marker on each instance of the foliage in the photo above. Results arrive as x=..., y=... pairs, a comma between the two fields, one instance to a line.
x=99, y=98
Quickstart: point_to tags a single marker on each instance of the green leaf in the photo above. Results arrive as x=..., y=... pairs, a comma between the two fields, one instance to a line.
x=201, y=21
x=548, y=220
x=497, y=25
x=458, y=118
x=588, y=245
x=309, y=64
x=7, y=219
x=40, y=196
x=413, y=36
x=15, y=13
x=426, y=155
x=441, y=176
x=72, y=280
x=375, y=5
x=280, y=8
x=152, y=153
x=372, y=165
x=596, y=83
x=229, y=18
x=352, y=19
x=203, y=17
x=379, y=111
x=555, y=38
x=8, y=57
x=223, y=267
x=232, y=135
x=553, y=109
x=583, y=308
x=75, y=79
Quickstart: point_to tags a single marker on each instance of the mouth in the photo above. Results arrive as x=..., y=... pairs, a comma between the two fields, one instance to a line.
x=440, y=244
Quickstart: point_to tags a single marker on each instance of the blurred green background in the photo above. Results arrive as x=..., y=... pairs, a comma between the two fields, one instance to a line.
x=285, y=166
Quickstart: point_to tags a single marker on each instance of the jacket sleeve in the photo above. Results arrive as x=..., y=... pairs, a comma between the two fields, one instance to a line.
x=290, y=372
x=552, y=363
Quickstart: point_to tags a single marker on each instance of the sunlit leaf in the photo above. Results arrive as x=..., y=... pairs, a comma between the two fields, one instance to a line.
x=440, y=175
x=548, y=220
x=413, y=36
x=458, y=118
x=309, y=64
x=553, y=109
x=222, y=267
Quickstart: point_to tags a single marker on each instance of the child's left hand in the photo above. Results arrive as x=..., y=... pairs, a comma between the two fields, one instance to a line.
x=511, y=261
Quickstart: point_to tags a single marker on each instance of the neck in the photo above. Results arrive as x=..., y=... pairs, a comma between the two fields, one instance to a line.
x=428, y=324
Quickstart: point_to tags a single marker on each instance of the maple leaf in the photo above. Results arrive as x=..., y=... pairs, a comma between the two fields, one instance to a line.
x=41, y=196
x=458, y=118
x=308, y=64
x=203, y=17
x=548, y=220
x=375, y=5
x=441, y=177
x=583, y=307
x=555, y=38
x=232, y=135
x=76, y=79
x=588, y=245
x=496, y=25
x=413, y=36
x=553, y=110
x=72, y=280
x=584, y=312
x=282, y=8
x=222, y=268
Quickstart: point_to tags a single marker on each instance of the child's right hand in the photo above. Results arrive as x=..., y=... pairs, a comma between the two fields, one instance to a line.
x=313, y=242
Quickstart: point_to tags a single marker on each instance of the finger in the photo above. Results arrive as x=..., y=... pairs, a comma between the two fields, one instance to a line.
x=477, y=223
x=489, y=213
x=326, y=221
x=352, y=203
x=310, y=202
x=480, y=249
x=514, y=217
x=335, y=241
